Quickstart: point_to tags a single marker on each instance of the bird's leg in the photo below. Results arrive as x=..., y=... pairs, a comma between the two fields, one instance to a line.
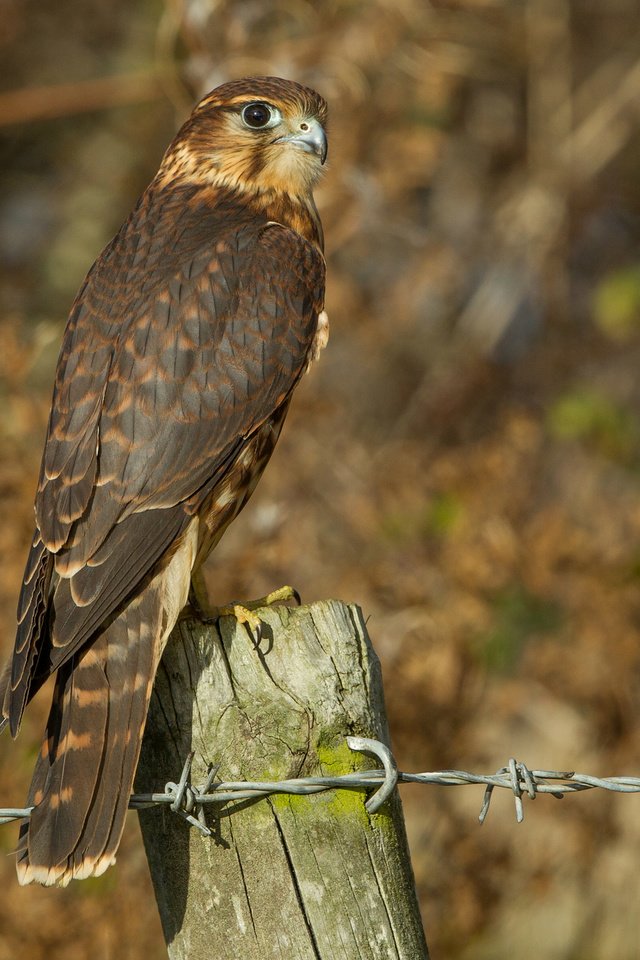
x=200, y=606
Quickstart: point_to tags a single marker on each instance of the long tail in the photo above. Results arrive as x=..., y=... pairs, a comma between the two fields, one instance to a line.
x=84, y=772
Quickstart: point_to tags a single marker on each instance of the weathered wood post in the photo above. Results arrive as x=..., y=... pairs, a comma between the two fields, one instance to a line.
x=296, y=877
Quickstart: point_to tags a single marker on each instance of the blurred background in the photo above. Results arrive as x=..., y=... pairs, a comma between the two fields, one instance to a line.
x=465, y=461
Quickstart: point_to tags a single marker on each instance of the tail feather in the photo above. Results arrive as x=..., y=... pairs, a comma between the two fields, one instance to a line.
x=85, y=770
x=130, y=672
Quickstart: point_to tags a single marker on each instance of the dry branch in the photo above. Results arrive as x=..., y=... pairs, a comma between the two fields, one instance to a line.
x=29, y=104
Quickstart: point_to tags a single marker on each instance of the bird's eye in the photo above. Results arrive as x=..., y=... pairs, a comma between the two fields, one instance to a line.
x=259, y=115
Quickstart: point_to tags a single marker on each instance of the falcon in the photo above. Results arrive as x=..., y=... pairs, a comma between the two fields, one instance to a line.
x=178, y=363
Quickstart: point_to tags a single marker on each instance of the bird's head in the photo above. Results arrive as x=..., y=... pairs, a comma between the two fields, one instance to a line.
x=258, y=135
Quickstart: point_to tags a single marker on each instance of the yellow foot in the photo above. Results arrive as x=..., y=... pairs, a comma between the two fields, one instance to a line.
x=244, y=612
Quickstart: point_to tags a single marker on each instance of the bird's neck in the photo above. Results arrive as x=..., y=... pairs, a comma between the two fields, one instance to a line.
x=298, y=213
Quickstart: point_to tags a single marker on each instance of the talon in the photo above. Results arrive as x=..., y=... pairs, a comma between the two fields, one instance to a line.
x=280, y=595
x=243, y=612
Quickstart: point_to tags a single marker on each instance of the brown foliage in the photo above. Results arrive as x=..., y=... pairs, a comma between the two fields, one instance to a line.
x=463, y=463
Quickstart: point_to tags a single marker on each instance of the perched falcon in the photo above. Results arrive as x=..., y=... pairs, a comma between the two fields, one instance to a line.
x=179, y=359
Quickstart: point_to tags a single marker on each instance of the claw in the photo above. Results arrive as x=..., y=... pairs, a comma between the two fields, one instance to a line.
x=243, y=612
x=276, y=596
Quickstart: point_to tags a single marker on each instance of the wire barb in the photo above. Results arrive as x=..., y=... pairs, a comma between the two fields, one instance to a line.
x=186, y=798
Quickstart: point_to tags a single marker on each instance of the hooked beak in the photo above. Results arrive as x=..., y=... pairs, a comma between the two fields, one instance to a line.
x=310, y=137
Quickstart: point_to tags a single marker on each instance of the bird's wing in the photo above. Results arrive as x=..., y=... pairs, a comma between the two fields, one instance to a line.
x=156, y=385
x=158, y=388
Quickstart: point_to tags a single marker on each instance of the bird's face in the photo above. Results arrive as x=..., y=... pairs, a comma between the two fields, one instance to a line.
x=256, y=135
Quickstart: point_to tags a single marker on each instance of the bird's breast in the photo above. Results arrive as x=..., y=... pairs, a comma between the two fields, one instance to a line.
x=227, y=499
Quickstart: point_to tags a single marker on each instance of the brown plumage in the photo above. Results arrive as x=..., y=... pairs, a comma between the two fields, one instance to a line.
x=177, y=367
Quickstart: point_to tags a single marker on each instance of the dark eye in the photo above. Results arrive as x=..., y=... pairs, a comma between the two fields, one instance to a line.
x=257, y=115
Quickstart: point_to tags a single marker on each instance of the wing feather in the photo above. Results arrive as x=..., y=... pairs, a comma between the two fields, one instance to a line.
x=82, y=603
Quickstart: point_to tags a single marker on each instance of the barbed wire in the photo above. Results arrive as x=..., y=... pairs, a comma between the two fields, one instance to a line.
x=189, y=801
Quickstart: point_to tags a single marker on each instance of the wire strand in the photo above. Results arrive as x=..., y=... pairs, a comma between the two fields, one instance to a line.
x=189, y=800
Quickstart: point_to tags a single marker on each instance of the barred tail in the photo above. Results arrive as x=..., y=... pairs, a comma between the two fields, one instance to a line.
x=85, y=770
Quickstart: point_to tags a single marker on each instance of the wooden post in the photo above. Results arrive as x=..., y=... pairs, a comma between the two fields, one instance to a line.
x=296, y=877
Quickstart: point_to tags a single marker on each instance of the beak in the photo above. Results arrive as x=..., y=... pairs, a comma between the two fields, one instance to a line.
x=310, y=137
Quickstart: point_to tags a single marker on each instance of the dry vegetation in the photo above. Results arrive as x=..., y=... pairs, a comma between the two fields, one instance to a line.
x=465, y=463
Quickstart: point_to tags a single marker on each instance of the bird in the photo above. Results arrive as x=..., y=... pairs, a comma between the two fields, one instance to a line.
x=179, y=359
